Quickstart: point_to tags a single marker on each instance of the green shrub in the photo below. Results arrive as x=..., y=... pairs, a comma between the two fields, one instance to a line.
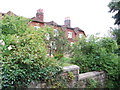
x=57, y=43
x=97, y=54
x=23, y=54
x=58, y=56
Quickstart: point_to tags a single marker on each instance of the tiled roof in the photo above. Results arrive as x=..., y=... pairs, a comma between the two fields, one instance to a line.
x=62, y=26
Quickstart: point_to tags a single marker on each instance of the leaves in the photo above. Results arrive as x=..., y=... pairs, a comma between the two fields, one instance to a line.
x=97, y=54
x=27, y=60
x=115, y=7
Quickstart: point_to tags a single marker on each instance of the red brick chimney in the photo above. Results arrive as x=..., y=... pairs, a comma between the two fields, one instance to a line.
x=67, y=22
x=40, y=15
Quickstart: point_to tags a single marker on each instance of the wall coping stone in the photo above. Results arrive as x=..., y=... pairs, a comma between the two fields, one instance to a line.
x=89, y=74
x=70, y=68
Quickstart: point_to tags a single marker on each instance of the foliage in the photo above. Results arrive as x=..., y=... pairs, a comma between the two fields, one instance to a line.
x=63, y=81
x=97, y=54
x=12, y=25
x=23, y=51
x=115, y=7
x=70, y=76
x=58, y=44
x=116, y=34
x=92, y=83
x=65, y=61
x=57, y=55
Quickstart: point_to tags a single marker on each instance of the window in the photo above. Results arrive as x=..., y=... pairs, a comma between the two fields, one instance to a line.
x=80, y=35
x=69, y=34
x=47, y=35
x=71, y=43
x=55, y=32
x=36, y=27
x=53, y=45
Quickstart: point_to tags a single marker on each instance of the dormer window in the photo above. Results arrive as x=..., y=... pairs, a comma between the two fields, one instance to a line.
x=69, y=34
x=36, y=27
x=55, y=32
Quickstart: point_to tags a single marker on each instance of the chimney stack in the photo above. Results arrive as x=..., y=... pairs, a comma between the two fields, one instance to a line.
x=67, y=22
x=40, y=15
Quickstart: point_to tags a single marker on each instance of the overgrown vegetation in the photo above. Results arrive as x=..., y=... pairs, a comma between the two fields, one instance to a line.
x=97, y=54
x=57, y=43
x=63, y=81
x=23, y=54
x=92, y=83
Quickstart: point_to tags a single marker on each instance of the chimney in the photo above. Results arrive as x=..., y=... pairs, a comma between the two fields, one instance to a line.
x=40, y=15
x=67, y=22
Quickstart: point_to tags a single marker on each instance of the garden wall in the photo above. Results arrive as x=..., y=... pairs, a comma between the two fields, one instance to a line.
x=72, y=79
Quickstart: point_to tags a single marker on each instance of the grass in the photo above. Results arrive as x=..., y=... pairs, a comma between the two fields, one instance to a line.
x=65, y=61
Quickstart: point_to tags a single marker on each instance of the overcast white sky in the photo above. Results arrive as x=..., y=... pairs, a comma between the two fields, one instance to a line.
x=90, y=15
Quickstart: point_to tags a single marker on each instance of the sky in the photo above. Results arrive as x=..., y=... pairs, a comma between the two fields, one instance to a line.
x=92, y=16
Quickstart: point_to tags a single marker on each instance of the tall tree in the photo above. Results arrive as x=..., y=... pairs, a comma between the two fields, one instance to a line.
x=114, y=6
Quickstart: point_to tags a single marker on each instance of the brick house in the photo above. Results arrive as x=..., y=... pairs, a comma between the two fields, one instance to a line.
x=38, y=21
x=71, y=33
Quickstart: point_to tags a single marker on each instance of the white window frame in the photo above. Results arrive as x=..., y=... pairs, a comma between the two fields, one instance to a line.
x=53, y=45
x=55, y=32
x=71, y=43
x=47, y=35
x=69, y=34
x=80, y=35
x=36, y=27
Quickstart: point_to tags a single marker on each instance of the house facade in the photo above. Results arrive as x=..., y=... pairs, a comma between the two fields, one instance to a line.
x=70, y=33
x=38, y=21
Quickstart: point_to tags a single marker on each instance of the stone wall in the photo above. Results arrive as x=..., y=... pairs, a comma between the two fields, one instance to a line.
x=72, y=79
x=96, y=78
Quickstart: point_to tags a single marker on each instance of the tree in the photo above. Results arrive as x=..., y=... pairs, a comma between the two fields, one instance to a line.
x=57, y=43
x=116, y=34
x=97, y=54
x=114, y=6
x=23, y=54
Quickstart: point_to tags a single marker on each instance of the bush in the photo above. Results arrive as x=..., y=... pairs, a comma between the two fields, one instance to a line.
x=58, y=56
x=97, y=54
x=23, y=54
x=57, y=43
